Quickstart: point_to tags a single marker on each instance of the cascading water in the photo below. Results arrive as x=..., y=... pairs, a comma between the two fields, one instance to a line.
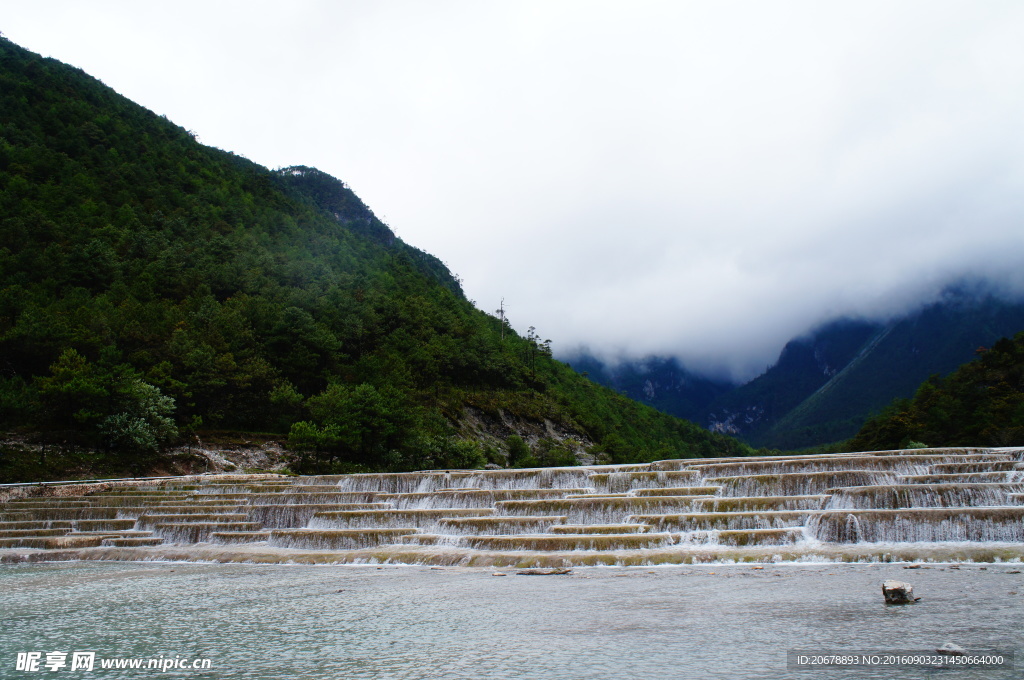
x=924, y=496
x=1000, y=524
x=928, y=504
x=289, y=515
x=799, y=483
x=501, y=526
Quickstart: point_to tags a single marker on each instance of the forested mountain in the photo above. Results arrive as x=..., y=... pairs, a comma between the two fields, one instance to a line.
x=804, y=366
x=151, y=286
x=872, y=366
x=661, y=382
x=826, y=384
x=979, y=404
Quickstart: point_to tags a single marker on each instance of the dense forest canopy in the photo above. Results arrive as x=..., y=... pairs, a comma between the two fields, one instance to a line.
x=151, y=287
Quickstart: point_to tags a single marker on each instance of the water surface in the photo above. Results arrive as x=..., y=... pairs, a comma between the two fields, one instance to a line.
x=292, y=621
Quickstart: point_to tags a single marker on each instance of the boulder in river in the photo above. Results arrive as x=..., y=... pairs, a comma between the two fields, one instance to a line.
x=898, y=592
x=951, y=649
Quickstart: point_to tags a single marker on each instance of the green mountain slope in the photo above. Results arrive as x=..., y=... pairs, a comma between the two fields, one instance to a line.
x=893, y=362
x=826, y=385
x=150, y=286
x=979, y=404
x=804, y=366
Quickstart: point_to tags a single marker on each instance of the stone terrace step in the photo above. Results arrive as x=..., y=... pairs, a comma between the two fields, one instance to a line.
x=598, y=510
x=976, y=466
x=122, y=493
x=266, y=488
x=600, y=529
x=800, y=483
x=289, y=497
x=193, y=501
x=132, y=542
x=195, y=509
x=387, y=482
x=923, y=495
x=748, y=503
x=163, y=518
x=679, y=491
x=624, y=494
x=951, y=451
x=690, y=463
x=390, y=518
x=496, y=524
x=905, y=463
x=337, y=539
x=964, y=478
x=72, y=513
x=35, y=503
x=246, y=479
x=52, y=542
x=291, y=515
x=1004, y=524
x=103, y=524
x=37, y=524
x=19, y=533
x=468, y=498
x=109, y=500
x=728, y=521
x=239, y=536
x=563, y=542
x=627, y=481
x=534, y=478
x=746, y=537
x=198, y=532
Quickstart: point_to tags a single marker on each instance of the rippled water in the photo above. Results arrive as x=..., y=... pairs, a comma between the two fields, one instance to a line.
x=289, y=621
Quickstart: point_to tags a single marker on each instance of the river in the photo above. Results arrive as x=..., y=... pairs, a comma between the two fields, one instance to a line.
x=413, y=622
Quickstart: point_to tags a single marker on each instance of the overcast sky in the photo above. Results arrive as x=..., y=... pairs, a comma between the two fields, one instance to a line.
x=701, y=179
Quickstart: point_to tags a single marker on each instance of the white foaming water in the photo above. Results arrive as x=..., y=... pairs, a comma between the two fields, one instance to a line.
x=930, y=504
x=924, y=496
x=1002, y=525
x=800, y=483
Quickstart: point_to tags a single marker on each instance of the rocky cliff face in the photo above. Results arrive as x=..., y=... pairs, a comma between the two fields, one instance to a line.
x=805, y=365
x=495, y=429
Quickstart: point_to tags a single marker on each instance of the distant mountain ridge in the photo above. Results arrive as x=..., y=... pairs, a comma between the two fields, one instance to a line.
x=661, y=382
x=825, y=384
x=980, y=403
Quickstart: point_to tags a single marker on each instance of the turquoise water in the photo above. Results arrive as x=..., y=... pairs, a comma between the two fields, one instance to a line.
x=289, y=621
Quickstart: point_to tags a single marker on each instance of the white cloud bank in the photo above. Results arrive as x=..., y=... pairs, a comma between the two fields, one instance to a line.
x=699, y=179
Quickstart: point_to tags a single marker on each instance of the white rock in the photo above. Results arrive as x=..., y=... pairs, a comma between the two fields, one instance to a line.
x=898, y=592
x=951, y=649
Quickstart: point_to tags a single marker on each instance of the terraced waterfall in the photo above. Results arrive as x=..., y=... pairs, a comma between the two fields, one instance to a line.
x=916, y=505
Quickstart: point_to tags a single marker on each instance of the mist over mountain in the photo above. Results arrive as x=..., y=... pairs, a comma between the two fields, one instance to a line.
x=661, y=382
x=828, y=381
x=691, y=179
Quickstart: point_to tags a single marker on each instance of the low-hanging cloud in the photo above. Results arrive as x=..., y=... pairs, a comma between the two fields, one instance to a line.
x=704, y=180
